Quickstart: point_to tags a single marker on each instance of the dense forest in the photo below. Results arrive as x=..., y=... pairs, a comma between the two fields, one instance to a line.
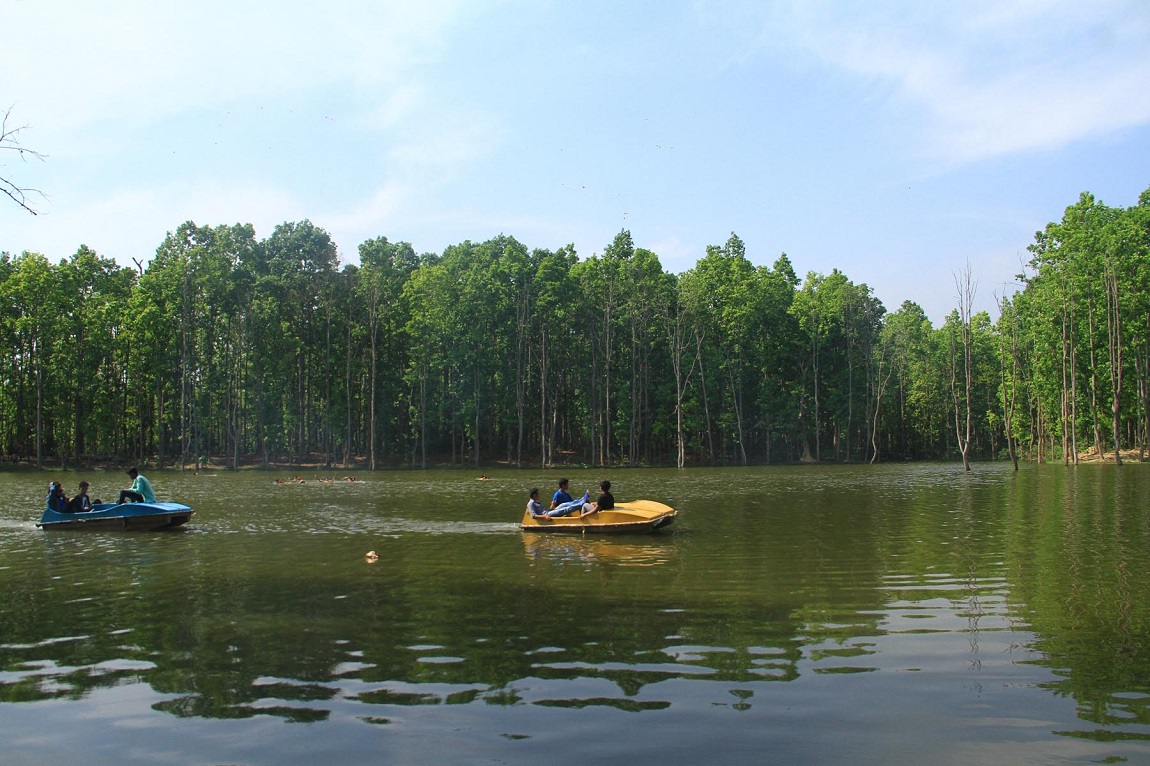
x=242, y=351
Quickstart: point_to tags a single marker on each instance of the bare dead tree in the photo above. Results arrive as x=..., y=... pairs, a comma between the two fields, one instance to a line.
x=10, y=142
x=966, y=286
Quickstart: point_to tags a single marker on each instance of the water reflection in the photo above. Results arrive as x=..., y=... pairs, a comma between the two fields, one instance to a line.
x=565, y=550
x=912, y=606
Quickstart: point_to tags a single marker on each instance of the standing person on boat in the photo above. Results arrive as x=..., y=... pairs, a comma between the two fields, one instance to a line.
x=140, y=490
x=80, y=502
x=605, y=502
x=57, y=500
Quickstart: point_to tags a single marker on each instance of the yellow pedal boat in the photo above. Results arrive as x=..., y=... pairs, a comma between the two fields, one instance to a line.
x=636, y=516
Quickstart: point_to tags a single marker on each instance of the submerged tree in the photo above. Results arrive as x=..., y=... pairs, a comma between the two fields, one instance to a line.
x=962, y=364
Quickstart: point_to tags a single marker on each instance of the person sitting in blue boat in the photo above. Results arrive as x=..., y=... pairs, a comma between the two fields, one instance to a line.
x=140, y=490
x=80, y=503
x=57, y=500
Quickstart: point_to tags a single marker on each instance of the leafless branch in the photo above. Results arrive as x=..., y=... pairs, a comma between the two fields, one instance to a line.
x=10, y=141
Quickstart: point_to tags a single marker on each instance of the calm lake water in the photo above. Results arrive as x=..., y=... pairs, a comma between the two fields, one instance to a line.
x=797, y=615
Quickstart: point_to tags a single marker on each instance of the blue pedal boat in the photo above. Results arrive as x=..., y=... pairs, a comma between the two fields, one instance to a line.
x=141, y=516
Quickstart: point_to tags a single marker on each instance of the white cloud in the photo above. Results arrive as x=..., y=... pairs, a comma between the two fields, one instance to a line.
x=989, y=78
x=72, y=64
x=130, y=94
x=443, y=140
x=370, y=218
x=675, y=255
x=143, y=217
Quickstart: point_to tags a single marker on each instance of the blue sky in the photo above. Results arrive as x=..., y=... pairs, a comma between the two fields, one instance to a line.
x=895, y=141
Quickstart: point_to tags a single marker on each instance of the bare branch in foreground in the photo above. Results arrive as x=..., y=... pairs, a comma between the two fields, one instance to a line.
x=10, y=141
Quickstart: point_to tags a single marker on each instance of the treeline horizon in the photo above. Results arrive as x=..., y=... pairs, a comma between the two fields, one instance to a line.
x=241, y=351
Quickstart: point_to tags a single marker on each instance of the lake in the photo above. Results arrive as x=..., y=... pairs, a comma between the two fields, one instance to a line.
x=892, y=614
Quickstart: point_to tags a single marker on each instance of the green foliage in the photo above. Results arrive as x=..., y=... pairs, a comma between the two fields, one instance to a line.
x=246, y=350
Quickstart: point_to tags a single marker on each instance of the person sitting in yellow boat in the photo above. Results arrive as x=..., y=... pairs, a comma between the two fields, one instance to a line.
x=605, y=502
x=561, y=502
x=557, y=508
x=561, y=495
x=534, y=507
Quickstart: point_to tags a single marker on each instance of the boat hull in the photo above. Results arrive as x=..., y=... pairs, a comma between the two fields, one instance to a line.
x=634, y=517
x=135, y=516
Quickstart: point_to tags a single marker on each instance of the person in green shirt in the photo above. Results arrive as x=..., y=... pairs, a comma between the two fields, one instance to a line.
x=140, y=489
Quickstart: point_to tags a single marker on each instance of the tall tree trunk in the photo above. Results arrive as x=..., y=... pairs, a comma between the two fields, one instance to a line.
x=880, y=388
x=1096, y=428
x=1114, y=332
x=1009, y=388
x=373, y=329
x=39, y=409
x=706, y=402
x=965, y=307
x=543, y=445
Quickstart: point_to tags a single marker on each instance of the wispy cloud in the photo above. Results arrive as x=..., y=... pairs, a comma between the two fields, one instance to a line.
x=145, y=88
x=152, y=60
x=989, y=78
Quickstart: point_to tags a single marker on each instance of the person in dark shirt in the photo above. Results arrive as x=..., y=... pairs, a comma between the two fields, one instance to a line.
x=605, y=502
x=80, y=502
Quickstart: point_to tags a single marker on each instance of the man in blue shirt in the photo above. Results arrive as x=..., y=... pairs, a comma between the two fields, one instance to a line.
x=561, y=502
x=561, y=495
